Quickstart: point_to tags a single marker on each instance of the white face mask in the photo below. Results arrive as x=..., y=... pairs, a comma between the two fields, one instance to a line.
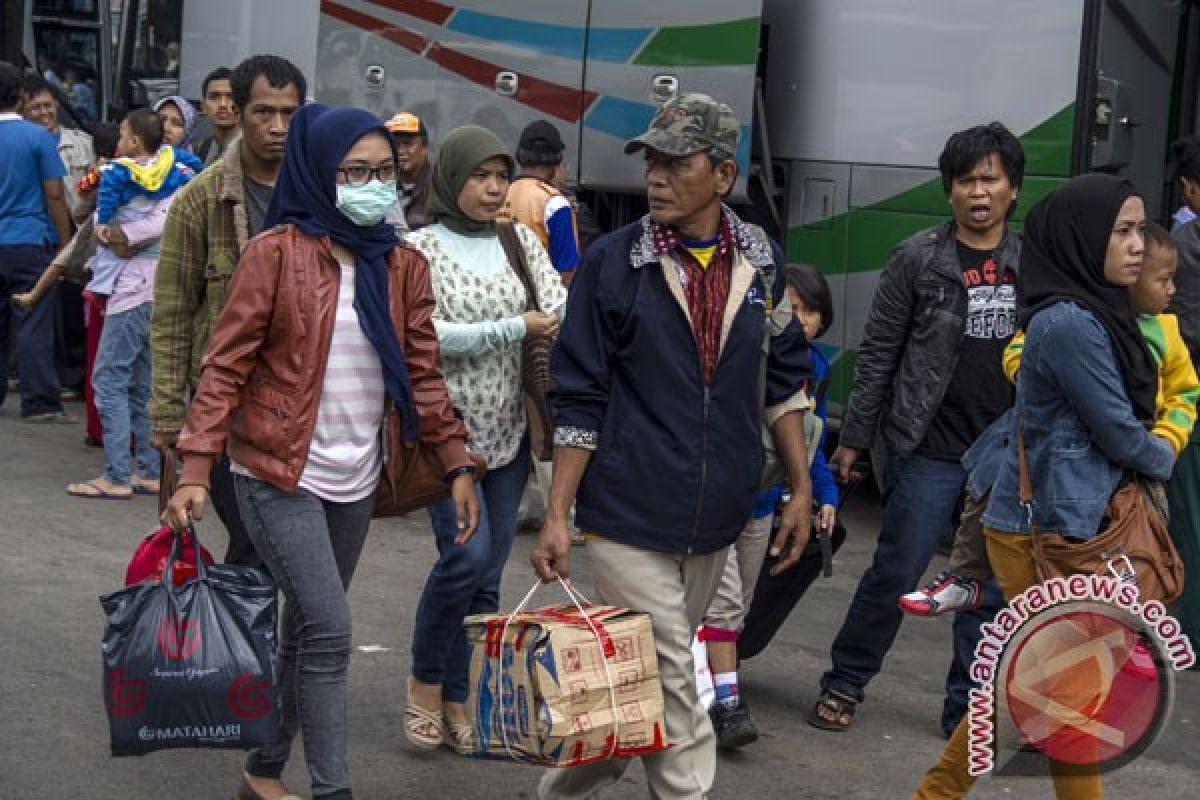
x=368, y=204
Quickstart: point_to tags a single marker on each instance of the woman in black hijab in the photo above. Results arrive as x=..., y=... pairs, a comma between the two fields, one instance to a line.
x=1085, y=400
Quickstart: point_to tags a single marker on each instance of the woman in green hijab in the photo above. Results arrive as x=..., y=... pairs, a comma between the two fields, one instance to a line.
x=481, y=320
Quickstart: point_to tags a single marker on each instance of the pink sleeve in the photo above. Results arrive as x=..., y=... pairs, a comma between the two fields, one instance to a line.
x=150, y=226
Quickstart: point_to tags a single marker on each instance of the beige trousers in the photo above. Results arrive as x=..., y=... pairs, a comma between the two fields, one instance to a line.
x=676, y=590
x=728, y=609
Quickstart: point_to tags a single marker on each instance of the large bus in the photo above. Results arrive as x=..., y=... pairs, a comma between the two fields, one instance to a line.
x=845, y=104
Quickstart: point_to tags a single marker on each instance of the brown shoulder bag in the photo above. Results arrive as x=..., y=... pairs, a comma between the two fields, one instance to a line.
x=535, y=353
x=413, y=476
x=1133, y=546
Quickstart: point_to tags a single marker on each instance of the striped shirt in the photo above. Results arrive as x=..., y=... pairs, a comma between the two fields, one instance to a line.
x=346, y=456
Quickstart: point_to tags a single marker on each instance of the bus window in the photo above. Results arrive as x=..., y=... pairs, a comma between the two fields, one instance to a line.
x=67, y=44
x=154, y=66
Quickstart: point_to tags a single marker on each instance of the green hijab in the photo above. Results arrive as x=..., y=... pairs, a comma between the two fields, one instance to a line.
x=459, y=154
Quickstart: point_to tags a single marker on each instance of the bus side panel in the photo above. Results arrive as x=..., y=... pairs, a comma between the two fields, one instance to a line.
x=861, y=96
x=446, y=63
x=220, y=33
x=708, y=46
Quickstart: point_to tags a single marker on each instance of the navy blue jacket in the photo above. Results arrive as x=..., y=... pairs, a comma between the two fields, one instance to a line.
x=677, y=464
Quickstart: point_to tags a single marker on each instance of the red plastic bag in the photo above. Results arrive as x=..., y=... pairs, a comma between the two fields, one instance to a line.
x=151, y=555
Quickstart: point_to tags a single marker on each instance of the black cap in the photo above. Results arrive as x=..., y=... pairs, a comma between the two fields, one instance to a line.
x=540, y=145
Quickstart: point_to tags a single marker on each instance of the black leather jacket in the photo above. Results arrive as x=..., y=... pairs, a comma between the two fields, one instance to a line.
x=912, y=339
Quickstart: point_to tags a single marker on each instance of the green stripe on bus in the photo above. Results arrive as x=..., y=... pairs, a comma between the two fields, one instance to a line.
x=721, y=44
x=862, y=239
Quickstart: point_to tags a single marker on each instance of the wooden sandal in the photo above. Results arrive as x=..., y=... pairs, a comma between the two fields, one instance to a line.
x=838, y=708
x=418, y=721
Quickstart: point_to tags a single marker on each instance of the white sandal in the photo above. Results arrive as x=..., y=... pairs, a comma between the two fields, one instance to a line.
x=418, y=720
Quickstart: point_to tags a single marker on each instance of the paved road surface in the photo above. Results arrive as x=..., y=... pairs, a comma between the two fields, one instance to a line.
x=58, y=553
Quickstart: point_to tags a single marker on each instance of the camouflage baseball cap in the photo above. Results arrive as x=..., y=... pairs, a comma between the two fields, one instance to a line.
x=691, y=123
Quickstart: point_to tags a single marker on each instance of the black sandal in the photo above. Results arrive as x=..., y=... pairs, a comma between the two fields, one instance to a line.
x=838, y=706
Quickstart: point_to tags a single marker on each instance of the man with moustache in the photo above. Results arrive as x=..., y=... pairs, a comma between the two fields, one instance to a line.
x=206, y=231
x=658, y=406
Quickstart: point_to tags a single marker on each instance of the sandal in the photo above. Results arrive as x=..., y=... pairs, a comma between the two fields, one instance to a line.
x=419, y=721
x=461, y=738
x=145, y=485
x=833, y=711
x=98, y=489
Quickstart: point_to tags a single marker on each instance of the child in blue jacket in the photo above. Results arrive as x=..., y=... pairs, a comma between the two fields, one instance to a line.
x=813, y=305
x=133, y=186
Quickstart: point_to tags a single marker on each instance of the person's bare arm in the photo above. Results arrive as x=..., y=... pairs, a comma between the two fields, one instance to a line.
x=550, y=556
x=796, y=520
x=52, y=275
x=56, y=207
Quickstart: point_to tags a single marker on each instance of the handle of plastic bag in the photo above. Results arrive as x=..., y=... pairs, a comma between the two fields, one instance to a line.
x=576, y=596
x=168, y=572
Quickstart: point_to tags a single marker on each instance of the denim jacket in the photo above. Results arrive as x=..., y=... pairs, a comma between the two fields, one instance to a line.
x=984, y=457
x=1079, y=428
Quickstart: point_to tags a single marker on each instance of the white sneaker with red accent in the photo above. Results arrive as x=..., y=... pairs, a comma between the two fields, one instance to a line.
x=944, y=594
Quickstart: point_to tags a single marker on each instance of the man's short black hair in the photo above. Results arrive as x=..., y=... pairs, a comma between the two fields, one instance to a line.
x=813, y=290
x=147, y=126
x=1158, y=236
x=1185, y=153
x=278, y=72
x=967, y=148
x=11, y=86
x=218, y=74
x=35, y=84
x=104, y=139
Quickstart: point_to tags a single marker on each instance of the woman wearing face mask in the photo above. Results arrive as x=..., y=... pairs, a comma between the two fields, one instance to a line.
x=481, y=321
x=326, y=333
x=179, y=121
x=1084, y=419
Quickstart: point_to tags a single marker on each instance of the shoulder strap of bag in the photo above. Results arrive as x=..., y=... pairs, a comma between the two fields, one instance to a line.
x=516, y=259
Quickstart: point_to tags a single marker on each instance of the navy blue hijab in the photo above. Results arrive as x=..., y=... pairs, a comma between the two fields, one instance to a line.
x=305, y=196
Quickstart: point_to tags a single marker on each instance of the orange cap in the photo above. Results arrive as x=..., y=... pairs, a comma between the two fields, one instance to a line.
x=404, y=122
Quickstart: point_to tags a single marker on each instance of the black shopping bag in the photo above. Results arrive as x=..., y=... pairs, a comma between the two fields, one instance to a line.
x=191, y=666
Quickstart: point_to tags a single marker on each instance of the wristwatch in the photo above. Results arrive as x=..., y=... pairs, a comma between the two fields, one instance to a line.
x=454, y=473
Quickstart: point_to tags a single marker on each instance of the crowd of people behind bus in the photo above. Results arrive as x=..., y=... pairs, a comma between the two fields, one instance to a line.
x=264, y=302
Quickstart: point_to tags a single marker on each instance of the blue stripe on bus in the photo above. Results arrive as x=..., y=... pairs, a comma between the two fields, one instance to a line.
x=616, y=45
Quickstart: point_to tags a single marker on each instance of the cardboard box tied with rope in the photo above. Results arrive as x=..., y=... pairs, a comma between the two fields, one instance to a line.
x=564, y=686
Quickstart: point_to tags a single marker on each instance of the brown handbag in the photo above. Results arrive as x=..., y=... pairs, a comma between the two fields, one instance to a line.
x=1133, y=546
x=413, y=475
x=535, y=353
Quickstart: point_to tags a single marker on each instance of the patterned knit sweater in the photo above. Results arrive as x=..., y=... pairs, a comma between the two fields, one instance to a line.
x=480, y=301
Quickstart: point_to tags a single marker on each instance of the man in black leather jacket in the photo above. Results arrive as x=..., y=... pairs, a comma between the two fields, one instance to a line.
x=929, y=380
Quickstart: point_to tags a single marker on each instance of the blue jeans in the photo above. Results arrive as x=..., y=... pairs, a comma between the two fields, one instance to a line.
x=311, y=547
x=920, y=501
x=20, y=267
x=466, y=578
x=121, y=382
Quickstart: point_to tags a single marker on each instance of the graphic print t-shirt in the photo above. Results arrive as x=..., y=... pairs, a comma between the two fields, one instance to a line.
x=978, y=391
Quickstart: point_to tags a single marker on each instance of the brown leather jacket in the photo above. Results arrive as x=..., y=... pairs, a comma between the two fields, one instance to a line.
x=261, y=378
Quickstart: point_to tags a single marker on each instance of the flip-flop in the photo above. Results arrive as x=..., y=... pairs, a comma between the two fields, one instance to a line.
x=144, y=486
x=50, y=418
x=92, y=490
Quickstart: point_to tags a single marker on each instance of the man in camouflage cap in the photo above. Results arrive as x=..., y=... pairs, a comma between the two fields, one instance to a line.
x=658, y=408
x=692, y=123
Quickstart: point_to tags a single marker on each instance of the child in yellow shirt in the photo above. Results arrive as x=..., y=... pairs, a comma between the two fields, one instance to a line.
x=958, y=587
